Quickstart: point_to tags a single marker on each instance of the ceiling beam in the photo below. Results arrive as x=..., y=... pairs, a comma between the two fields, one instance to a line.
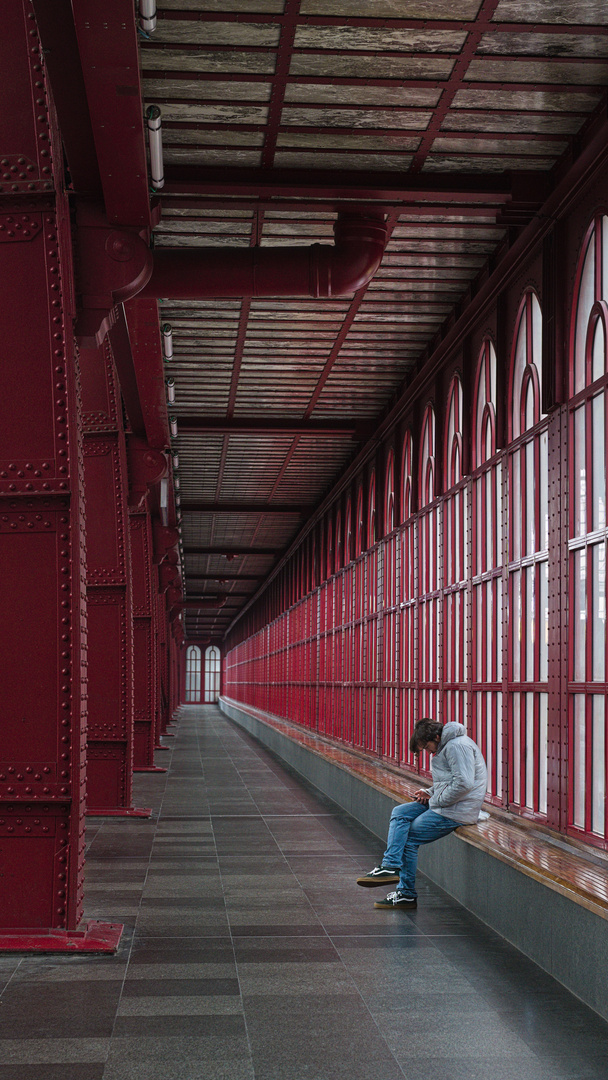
x=447, y=188
x=255, y=425
x=190, y=506
x=231, y=552
x=223, y=579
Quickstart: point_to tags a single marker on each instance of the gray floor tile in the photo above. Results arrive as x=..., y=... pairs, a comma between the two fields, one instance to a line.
x=241, y=911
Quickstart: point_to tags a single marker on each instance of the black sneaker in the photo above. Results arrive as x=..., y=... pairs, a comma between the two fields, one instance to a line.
x=380, y=875
x=397, y=900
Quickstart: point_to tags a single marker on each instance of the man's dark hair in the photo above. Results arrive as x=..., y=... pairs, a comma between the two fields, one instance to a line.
x=426, y=730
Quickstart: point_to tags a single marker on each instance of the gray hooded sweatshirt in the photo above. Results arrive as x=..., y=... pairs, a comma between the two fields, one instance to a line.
x=459, y=776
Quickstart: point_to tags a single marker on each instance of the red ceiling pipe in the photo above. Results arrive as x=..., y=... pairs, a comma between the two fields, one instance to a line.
x=318, y=270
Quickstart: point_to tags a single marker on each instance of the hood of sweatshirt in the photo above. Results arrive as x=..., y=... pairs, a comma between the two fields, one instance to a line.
x=451, y=731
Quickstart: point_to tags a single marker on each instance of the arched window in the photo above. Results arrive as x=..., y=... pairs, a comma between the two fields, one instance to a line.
x=406, y=477
x=588, y=683
x=212, y=674
x=371, y=510
x=390, y=618
x=330, y=547
x=528, y=565
x=427, y=458
x=360, y=524
x=348, y=531
x=454, y=561
x=484, y=436
x=193, y=674
x=428, y=574
x=338, y=548
x=389, y=494
x=588, y=333
x=453, y=440
x=408, y=596
x=526, y=368
x=487, y=593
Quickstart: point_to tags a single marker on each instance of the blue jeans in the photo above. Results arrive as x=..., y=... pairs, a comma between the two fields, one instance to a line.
x=411, y=825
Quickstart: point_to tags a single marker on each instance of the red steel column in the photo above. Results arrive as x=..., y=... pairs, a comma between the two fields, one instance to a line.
x=145, y=659
x=146, y=466
x=42, y=536
x=110, y=628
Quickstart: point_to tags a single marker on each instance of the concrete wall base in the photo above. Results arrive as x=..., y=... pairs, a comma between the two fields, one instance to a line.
x=562, y=937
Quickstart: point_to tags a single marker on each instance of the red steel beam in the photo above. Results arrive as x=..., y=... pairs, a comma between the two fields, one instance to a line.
x=144, y=334
x=255, y=425
x=107, y=41
x=230, y=552
x=289, y=24
x=62, y=60
x=191, y=506
x=363, y=186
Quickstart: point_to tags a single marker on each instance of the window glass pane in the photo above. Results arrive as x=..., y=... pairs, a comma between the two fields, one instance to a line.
x=598, y=588
x=579, y=760
x=530, y=622
x=498, y=631
x=481, y=436
x=543, y=705
x=479, y=527
x=488, y=525
x=478, y=632
x=515, y=507
x=580, y=476
x=516, y=749
x=585, y=303
x=498, y=743
x=529, y=406
x=598, y=353
x=543, y=620
x=489, y=629
x=543, y=482
x=598, y=462
x=598, y=765
x=489, y=737
x=498, y=532
x=580, y=613
x=516, y=646
x=531, y=479
x=530, y=750
x=518, y=373
x=536, y=358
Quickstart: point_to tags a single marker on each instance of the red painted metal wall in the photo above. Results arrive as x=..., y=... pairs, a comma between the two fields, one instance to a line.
x=42, y=536
x=461, y=611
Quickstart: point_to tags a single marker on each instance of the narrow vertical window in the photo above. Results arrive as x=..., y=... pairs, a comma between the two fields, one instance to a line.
x=588, y=675
x=528, y=565
x=455, y=570
x=487, y=571
x=429, y=526
x=193, y=674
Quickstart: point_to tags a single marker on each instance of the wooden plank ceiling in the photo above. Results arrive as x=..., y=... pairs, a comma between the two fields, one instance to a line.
x=453, y=116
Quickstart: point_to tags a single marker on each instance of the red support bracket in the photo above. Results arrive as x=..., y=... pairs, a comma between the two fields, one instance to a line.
x=96, y=937
x=149, y=768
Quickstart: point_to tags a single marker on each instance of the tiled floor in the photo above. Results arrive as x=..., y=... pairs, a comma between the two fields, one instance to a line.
x=250, y=954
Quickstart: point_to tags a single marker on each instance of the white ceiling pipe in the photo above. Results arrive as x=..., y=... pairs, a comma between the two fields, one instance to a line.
x=147, y=15
x=155, y=136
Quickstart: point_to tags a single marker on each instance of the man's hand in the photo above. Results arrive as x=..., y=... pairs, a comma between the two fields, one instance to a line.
x=422, y=795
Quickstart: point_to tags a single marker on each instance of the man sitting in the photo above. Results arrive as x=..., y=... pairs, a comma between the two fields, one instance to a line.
x=455, y=798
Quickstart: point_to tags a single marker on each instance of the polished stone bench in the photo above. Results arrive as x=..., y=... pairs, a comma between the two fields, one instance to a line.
x=545, y=893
